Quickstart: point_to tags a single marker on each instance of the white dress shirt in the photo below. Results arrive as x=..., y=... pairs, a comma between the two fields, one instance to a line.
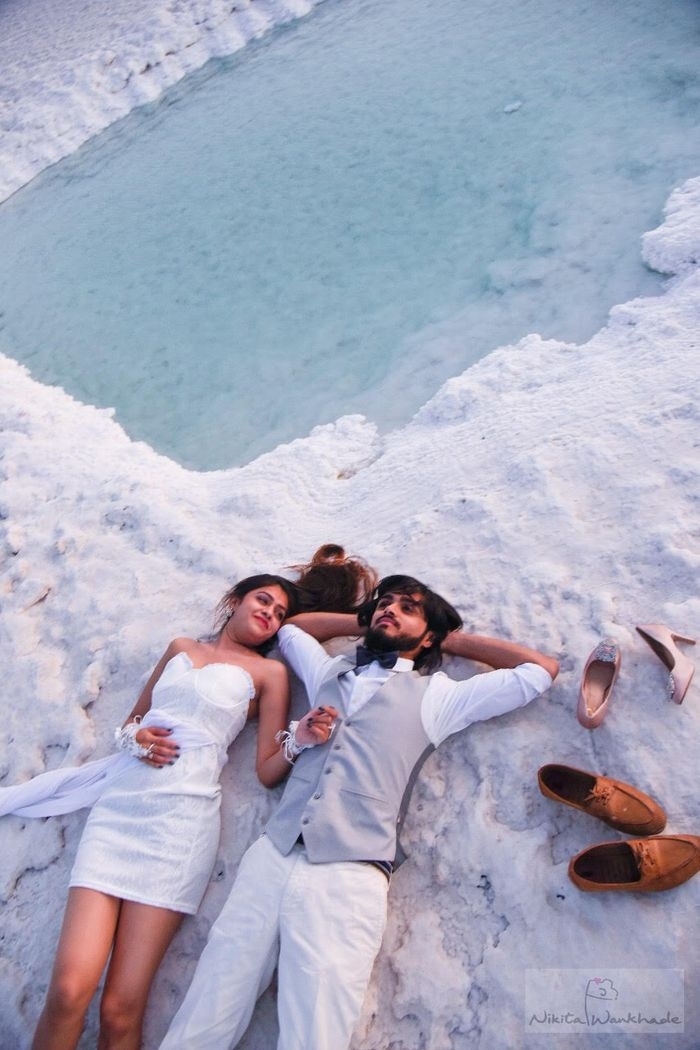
x=447, y=706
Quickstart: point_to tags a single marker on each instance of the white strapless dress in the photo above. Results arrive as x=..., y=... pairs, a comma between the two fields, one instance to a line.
x=152, y=836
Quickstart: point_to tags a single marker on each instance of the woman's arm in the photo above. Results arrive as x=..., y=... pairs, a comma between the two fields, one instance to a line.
x=324, y=625
x=273, y=712
x=496, y=653
x=165, y=750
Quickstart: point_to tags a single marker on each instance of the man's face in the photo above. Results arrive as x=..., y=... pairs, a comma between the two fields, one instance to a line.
x=399, y=624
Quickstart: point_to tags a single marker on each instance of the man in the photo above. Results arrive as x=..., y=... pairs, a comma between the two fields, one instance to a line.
x=310, y=895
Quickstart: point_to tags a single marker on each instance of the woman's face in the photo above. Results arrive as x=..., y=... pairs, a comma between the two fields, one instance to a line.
x=259, y=614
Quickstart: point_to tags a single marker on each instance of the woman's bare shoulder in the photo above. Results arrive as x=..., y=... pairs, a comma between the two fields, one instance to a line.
x=273, y=671
x=183, y=645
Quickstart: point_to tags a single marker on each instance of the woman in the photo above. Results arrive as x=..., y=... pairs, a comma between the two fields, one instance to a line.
x=150, y=841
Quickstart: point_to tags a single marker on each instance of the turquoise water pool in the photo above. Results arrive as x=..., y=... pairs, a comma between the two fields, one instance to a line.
x=349, y=212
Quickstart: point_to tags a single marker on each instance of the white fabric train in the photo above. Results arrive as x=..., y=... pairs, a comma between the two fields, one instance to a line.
x=75, y=787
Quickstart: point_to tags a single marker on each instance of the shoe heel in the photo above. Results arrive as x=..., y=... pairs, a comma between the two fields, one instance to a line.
x=662, y=641
x=682, y=638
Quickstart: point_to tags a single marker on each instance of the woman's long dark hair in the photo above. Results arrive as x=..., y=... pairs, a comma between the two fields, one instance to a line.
x=333, y=582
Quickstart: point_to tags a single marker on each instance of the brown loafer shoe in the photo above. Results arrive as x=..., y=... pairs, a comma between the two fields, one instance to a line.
x=620, y=805
x=640, y=865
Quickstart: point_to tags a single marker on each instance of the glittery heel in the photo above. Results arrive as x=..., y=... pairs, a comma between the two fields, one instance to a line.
x=663, y=641
x=599, y=676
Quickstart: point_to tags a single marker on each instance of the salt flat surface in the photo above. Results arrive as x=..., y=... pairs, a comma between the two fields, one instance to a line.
x=551, y=491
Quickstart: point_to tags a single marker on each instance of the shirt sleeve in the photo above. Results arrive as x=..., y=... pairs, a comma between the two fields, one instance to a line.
x=449, y=706
x=307, y=657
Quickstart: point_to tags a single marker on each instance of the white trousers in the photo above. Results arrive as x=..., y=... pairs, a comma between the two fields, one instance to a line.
x=322, y=924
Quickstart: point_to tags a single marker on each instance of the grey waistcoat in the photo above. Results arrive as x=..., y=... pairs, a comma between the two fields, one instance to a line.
x=345, y=796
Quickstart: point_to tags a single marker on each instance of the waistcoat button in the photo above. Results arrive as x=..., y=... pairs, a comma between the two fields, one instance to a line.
x=317, y=795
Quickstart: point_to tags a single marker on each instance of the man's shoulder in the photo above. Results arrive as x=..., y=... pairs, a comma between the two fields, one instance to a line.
x=288, y=630
x=439, y=677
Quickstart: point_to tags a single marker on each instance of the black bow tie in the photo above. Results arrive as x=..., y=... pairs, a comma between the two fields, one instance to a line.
x=365, y=656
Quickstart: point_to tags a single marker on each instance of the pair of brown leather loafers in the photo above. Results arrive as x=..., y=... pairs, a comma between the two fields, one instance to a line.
x=658, y=862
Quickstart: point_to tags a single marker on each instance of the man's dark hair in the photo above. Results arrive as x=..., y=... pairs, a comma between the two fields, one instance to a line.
x=440, y=616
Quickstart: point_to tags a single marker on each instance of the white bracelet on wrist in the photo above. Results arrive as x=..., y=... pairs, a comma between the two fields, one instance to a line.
x=288, y=739
x=125, y=739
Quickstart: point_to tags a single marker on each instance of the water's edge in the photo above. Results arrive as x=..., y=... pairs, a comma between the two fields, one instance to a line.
x=43, y=123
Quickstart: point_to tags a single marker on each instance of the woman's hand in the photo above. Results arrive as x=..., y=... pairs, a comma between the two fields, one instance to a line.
x=163, y=750
x=316, y=727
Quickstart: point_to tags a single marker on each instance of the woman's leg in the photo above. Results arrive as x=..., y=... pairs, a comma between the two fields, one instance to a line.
x=143, y=935
x=83, y=949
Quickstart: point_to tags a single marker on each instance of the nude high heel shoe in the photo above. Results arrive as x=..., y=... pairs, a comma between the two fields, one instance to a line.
x=599, y=676
x=663, y=642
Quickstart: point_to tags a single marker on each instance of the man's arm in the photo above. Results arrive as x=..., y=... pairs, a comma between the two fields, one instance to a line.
x=306, y=657
x=492, y=651
x=496, y=653
x=449, y=706
x=520, y=675
x=326, y=625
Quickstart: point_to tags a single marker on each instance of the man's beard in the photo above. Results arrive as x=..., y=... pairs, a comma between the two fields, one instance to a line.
x=378, y=642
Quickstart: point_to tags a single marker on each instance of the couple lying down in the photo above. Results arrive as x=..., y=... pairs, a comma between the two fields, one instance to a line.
x=310, y=895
